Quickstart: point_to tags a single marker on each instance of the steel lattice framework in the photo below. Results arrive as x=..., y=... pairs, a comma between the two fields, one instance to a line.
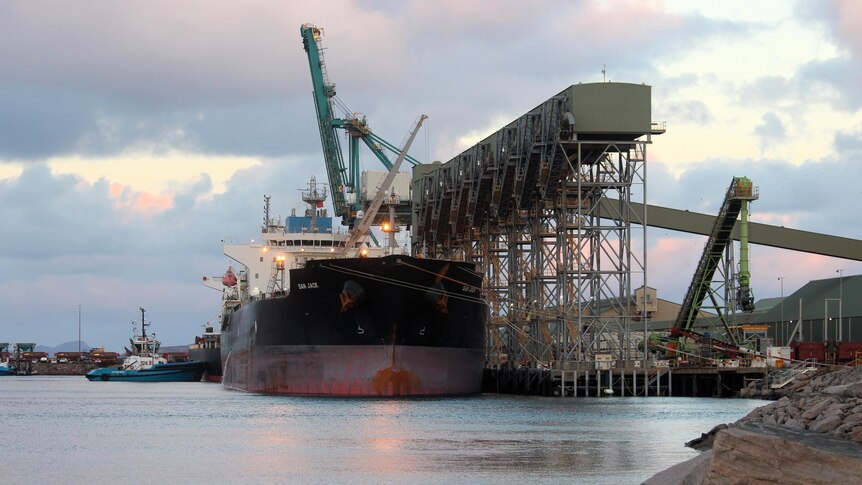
x=544, y=207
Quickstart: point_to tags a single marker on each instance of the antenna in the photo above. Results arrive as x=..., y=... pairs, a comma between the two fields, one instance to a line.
x=603, y=73
x=143, y=325
x=266, y=213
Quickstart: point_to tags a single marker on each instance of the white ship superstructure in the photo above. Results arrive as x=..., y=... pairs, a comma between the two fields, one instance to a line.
x=265, y=264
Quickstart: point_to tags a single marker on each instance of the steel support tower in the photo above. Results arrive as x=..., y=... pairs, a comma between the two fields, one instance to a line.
x=544, y=207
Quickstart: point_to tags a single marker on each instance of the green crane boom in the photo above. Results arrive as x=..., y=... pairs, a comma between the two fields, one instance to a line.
x=323, y=93
x=343, y=180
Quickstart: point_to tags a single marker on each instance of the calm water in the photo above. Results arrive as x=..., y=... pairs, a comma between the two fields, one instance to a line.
x=70, y=430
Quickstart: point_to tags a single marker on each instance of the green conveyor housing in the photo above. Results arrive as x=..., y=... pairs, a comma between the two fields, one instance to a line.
x=739, y=194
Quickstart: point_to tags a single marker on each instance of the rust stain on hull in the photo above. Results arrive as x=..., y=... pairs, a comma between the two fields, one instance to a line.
x=392, y=381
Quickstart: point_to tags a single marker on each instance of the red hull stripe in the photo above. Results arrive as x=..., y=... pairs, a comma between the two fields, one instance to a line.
x=355, y=370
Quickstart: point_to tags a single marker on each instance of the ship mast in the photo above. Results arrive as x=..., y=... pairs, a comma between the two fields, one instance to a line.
x=143, y=325
x=314, y=197
x=266, y=219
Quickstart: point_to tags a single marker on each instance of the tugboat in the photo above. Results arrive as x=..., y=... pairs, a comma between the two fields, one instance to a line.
x=6, y=369
x=146, y=365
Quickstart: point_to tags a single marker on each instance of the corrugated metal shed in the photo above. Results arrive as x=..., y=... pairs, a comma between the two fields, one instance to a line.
x=815, y=294
x=765, y=304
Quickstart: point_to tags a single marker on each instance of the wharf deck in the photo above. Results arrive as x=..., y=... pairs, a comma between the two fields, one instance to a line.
x=632, y=381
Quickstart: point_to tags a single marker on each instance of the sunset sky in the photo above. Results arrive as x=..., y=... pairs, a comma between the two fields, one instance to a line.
x=136, y=136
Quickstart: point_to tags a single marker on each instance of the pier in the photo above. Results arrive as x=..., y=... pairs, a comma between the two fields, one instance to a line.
x=586, y=381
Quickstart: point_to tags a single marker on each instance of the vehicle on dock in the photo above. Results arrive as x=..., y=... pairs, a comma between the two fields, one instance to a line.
x=146, y=365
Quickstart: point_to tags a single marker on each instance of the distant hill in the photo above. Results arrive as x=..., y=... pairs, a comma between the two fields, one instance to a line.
x=64, y=347
x=73, y=347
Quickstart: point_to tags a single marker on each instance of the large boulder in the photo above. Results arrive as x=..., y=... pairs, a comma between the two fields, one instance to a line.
x=689, y=472
x=812, y=435
x=765, y=453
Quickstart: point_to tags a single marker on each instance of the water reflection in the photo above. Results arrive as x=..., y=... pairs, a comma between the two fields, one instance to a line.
x=203, y=434
x=386, y=427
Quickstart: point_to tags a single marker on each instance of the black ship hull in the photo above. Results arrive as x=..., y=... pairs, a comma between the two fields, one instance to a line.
x=212, y=358
x=392, y=326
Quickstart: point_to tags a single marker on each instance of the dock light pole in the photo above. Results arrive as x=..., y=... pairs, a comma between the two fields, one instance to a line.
x=840, y=301
x=827, y=318
x=79, y=329
x=781, y=280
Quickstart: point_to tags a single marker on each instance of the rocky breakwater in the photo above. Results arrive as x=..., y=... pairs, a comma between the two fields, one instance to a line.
x=829, y=401
x=62, y=369
x=811, y=434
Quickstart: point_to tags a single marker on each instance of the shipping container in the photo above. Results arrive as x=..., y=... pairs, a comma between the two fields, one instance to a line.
x=848, y=351
x=33, y=356
x=69, y=356
x=102, y=357
x=811, y=350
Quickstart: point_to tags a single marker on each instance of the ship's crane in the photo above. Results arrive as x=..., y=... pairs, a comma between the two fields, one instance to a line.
x=343, y=180
x=365, y=223
x=740, y=193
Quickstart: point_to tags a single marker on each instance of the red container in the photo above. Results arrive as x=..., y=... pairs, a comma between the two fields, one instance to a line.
x=33, y=356
x=811, y=350
x=69, y=356
x=847, y=351
x=103, y=357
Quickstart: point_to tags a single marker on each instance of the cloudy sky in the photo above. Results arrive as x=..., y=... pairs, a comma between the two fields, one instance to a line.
x=135, y=136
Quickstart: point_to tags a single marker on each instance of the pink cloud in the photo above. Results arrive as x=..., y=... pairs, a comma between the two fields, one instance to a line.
x=673, y=260
x=623, y=23
x=785, y=219
x=671, y=264
x=145, y=203
x=460, y=18
x=848, y=18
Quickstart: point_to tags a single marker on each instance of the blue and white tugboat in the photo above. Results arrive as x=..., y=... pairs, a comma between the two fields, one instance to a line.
x=146, y=365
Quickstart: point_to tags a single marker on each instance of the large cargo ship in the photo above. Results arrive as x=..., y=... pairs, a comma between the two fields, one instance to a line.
x=300, y=319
